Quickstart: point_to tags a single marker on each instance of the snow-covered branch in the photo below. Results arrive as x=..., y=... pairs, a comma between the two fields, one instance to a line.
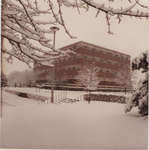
x=111, y=8
x=24, y=25
x=119, y=11
x=26, y=31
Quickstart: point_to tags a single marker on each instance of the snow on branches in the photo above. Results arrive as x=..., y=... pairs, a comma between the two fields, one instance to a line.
x=139, y=97
x=112, y=8
x=26, y=24
x=28, y=35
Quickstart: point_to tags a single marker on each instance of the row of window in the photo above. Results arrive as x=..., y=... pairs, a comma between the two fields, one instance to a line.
x=86, y=58
x=75, y=68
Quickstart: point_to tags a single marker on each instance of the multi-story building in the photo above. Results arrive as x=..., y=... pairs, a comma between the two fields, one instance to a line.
x=113, y=67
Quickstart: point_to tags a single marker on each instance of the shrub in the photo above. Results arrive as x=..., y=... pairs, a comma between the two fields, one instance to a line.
x=104, y=97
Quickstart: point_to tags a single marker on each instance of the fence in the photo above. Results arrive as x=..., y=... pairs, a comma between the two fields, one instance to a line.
x=60, y=96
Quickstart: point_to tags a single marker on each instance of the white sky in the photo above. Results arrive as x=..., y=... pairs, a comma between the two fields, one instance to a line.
x=131, y=36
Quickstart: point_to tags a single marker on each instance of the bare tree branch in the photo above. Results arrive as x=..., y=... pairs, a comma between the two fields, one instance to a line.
x=28, y=15
x=62, y=20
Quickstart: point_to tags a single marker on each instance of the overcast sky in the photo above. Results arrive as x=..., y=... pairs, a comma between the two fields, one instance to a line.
x=131, y=36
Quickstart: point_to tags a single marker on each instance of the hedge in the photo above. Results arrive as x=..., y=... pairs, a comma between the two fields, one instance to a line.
x=105, y=98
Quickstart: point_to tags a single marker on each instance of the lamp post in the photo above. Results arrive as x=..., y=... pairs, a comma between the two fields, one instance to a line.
x=53, y=29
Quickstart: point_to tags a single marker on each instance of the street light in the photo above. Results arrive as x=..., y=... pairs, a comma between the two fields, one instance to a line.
x=53, y=29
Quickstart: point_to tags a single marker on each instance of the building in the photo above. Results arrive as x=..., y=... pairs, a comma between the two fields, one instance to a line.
x=113, y=67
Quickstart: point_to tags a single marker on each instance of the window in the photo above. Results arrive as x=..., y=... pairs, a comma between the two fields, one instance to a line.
x=73, y=68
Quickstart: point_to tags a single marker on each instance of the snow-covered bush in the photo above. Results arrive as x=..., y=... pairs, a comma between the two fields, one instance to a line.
x=137, y=77
x=139, y=97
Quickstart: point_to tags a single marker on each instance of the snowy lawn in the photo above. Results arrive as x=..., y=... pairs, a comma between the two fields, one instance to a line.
x=27, y=123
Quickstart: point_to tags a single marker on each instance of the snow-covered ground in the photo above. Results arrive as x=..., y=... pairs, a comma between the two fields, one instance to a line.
x=28, y=123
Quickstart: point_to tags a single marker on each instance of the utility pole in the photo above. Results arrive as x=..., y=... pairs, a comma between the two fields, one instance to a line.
x=53, y=29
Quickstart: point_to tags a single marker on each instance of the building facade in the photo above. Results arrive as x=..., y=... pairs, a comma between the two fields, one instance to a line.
x=114, y=68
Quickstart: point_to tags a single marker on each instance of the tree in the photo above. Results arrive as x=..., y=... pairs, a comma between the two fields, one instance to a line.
x=28, y=35
x=139, y=97
x=141, y=62
x=88, y=77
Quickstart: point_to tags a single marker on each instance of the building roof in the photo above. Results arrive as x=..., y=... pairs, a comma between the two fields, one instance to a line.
x=81, y=43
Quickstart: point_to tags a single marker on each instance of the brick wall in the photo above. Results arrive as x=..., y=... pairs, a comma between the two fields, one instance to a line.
x=113, y=66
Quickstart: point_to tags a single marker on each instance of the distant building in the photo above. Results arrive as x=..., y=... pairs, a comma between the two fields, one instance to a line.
x=114, y=67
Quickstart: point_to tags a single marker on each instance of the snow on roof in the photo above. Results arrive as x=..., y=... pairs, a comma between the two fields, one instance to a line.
x=82, y=43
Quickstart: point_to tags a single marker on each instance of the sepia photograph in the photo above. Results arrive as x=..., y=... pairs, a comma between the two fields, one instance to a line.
x=74, y=74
